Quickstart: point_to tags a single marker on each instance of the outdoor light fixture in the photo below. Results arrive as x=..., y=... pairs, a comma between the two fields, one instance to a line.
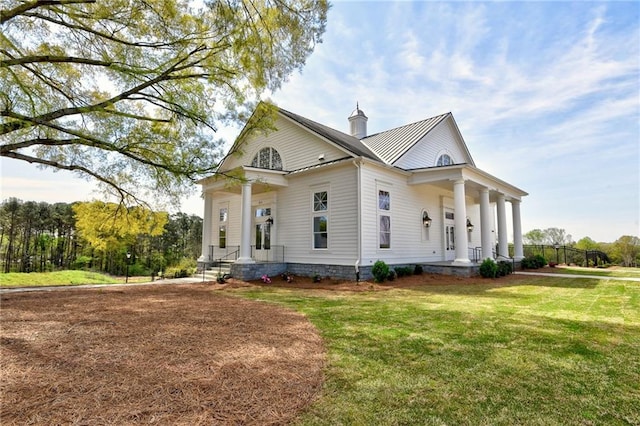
x=426, y=220
x=269, y=220
x=469, y=225
x=126, y=277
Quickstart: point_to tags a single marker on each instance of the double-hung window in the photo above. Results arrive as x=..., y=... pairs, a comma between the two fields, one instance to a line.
x=384, y=219
x=320, y=214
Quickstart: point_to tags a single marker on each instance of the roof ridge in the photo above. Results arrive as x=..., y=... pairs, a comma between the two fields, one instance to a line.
x=439, y=117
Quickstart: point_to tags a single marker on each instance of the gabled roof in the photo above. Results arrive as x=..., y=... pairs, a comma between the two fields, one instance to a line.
x=390, y=145
x=345, y=141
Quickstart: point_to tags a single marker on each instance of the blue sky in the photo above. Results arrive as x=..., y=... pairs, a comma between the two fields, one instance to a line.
x=546, y=95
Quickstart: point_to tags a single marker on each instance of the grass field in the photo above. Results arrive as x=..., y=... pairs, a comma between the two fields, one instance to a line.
x=61, y=278
x=532, y=351
x=613, y=271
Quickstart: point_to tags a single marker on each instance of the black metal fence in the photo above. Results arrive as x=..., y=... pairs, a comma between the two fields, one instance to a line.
x=565, y=255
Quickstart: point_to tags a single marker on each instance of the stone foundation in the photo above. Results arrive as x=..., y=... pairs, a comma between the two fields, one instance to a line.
x=254, y=271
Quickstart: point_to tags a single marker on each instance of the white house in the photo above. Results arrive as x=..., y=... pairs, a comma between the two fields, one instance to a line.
x=315, y=200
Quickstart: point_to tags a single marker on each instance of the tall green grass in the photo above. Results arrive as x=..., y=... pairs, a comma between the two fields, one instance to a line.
x=546, y=351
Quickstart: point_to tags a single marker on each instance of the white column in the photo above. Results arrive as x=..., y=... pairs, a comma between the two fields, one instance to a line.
x=518, y=252
x=460, y=224
x=245, y=230
x=485, y=224
x=207, y=226
x=503, y=244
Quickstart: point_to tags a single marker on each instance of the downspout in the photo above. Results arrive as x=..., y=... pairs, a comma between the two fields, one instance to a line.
x=358, y=218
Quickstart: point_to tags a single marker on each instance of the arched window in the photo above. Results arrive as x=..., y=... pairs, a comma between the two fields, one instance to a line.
x=267, y=158
x=444, y=160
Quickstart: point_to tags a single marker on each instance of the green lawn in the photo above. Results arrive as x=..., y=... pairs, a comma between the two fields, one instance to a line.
x=544, y=351
x=614, y=271
x=59, y=278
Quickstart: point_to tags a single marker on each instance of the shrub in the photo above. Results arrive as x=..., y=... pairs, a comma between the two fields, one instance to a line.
x=185, y=268
x=403, y=271
x=175, y=272
x=392, y=275
x=488, y=268
x=417, y=270
x=504, y=268
x=138, y=270
x=540, y=260
x=380, y=271
x=534, y=262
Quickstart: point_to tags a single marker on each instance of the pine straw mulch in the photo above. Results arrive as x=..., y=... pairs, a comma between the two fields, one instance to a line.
x=423, y=280
x=167, y=354
x=163, y=354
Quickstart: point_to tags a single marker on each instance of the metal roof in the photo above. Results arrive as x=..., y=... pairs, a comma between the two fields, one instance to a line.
x=390, y=145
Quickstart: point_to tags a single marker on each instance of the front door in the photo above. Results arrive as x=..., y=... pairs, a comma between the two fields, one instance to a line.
x=449, y=235
x=262, y=233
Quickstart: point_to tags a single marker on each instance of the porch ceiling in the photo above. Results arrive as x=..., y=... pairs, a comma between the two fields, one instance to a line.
x=262, y=180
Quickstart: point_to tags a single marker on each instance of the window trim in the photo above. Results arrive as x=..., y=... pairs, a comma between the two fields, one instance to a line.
x=320, y=213
x=384, y=210
x=273, y=154
x=441, y=156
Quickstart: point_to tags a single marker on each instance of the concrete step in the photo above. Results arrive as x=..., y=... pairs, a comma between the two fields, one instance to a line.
x=212, y=274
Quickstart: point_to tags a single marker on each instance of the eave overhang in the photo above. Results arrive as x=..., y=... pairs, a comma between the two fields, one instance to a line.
x=474, y=178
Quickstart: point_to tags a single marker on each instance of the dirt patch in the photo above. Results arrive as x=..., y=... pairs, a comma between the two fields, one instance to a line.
x=167, y=354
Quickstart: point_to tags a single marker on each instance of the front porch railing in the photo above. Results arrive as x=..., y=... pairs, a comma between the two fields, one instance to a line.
x=475, y=254
x=219, y=254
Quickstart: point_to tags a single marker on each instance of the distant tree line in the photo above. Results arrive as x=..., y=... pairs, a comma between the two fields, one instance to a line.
x=39, y=237
x=625, y=251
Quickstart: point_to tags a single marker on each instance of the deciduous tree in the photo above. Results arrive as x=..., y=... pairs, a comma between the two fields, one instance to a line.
x=535, y=236
x=627, y=249
x=110, y=226
x=130, y=92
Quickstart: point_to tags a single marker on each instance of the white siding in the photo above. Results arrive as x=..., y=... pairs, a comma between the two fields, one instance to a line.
x=411, y=242
x=294, y=224
x=298, y=147
x=232, y=201
x=442, y=139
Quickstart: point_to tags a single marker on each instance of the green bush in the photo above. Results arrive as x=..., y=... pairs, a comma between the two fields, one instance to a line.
x=534, y=262
x=488, y=268
x=380, y=271
x=392, y=275
x=540, y=260
x=138, y=270
x=403, y=271
x=185, y=268
x=504, y=268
